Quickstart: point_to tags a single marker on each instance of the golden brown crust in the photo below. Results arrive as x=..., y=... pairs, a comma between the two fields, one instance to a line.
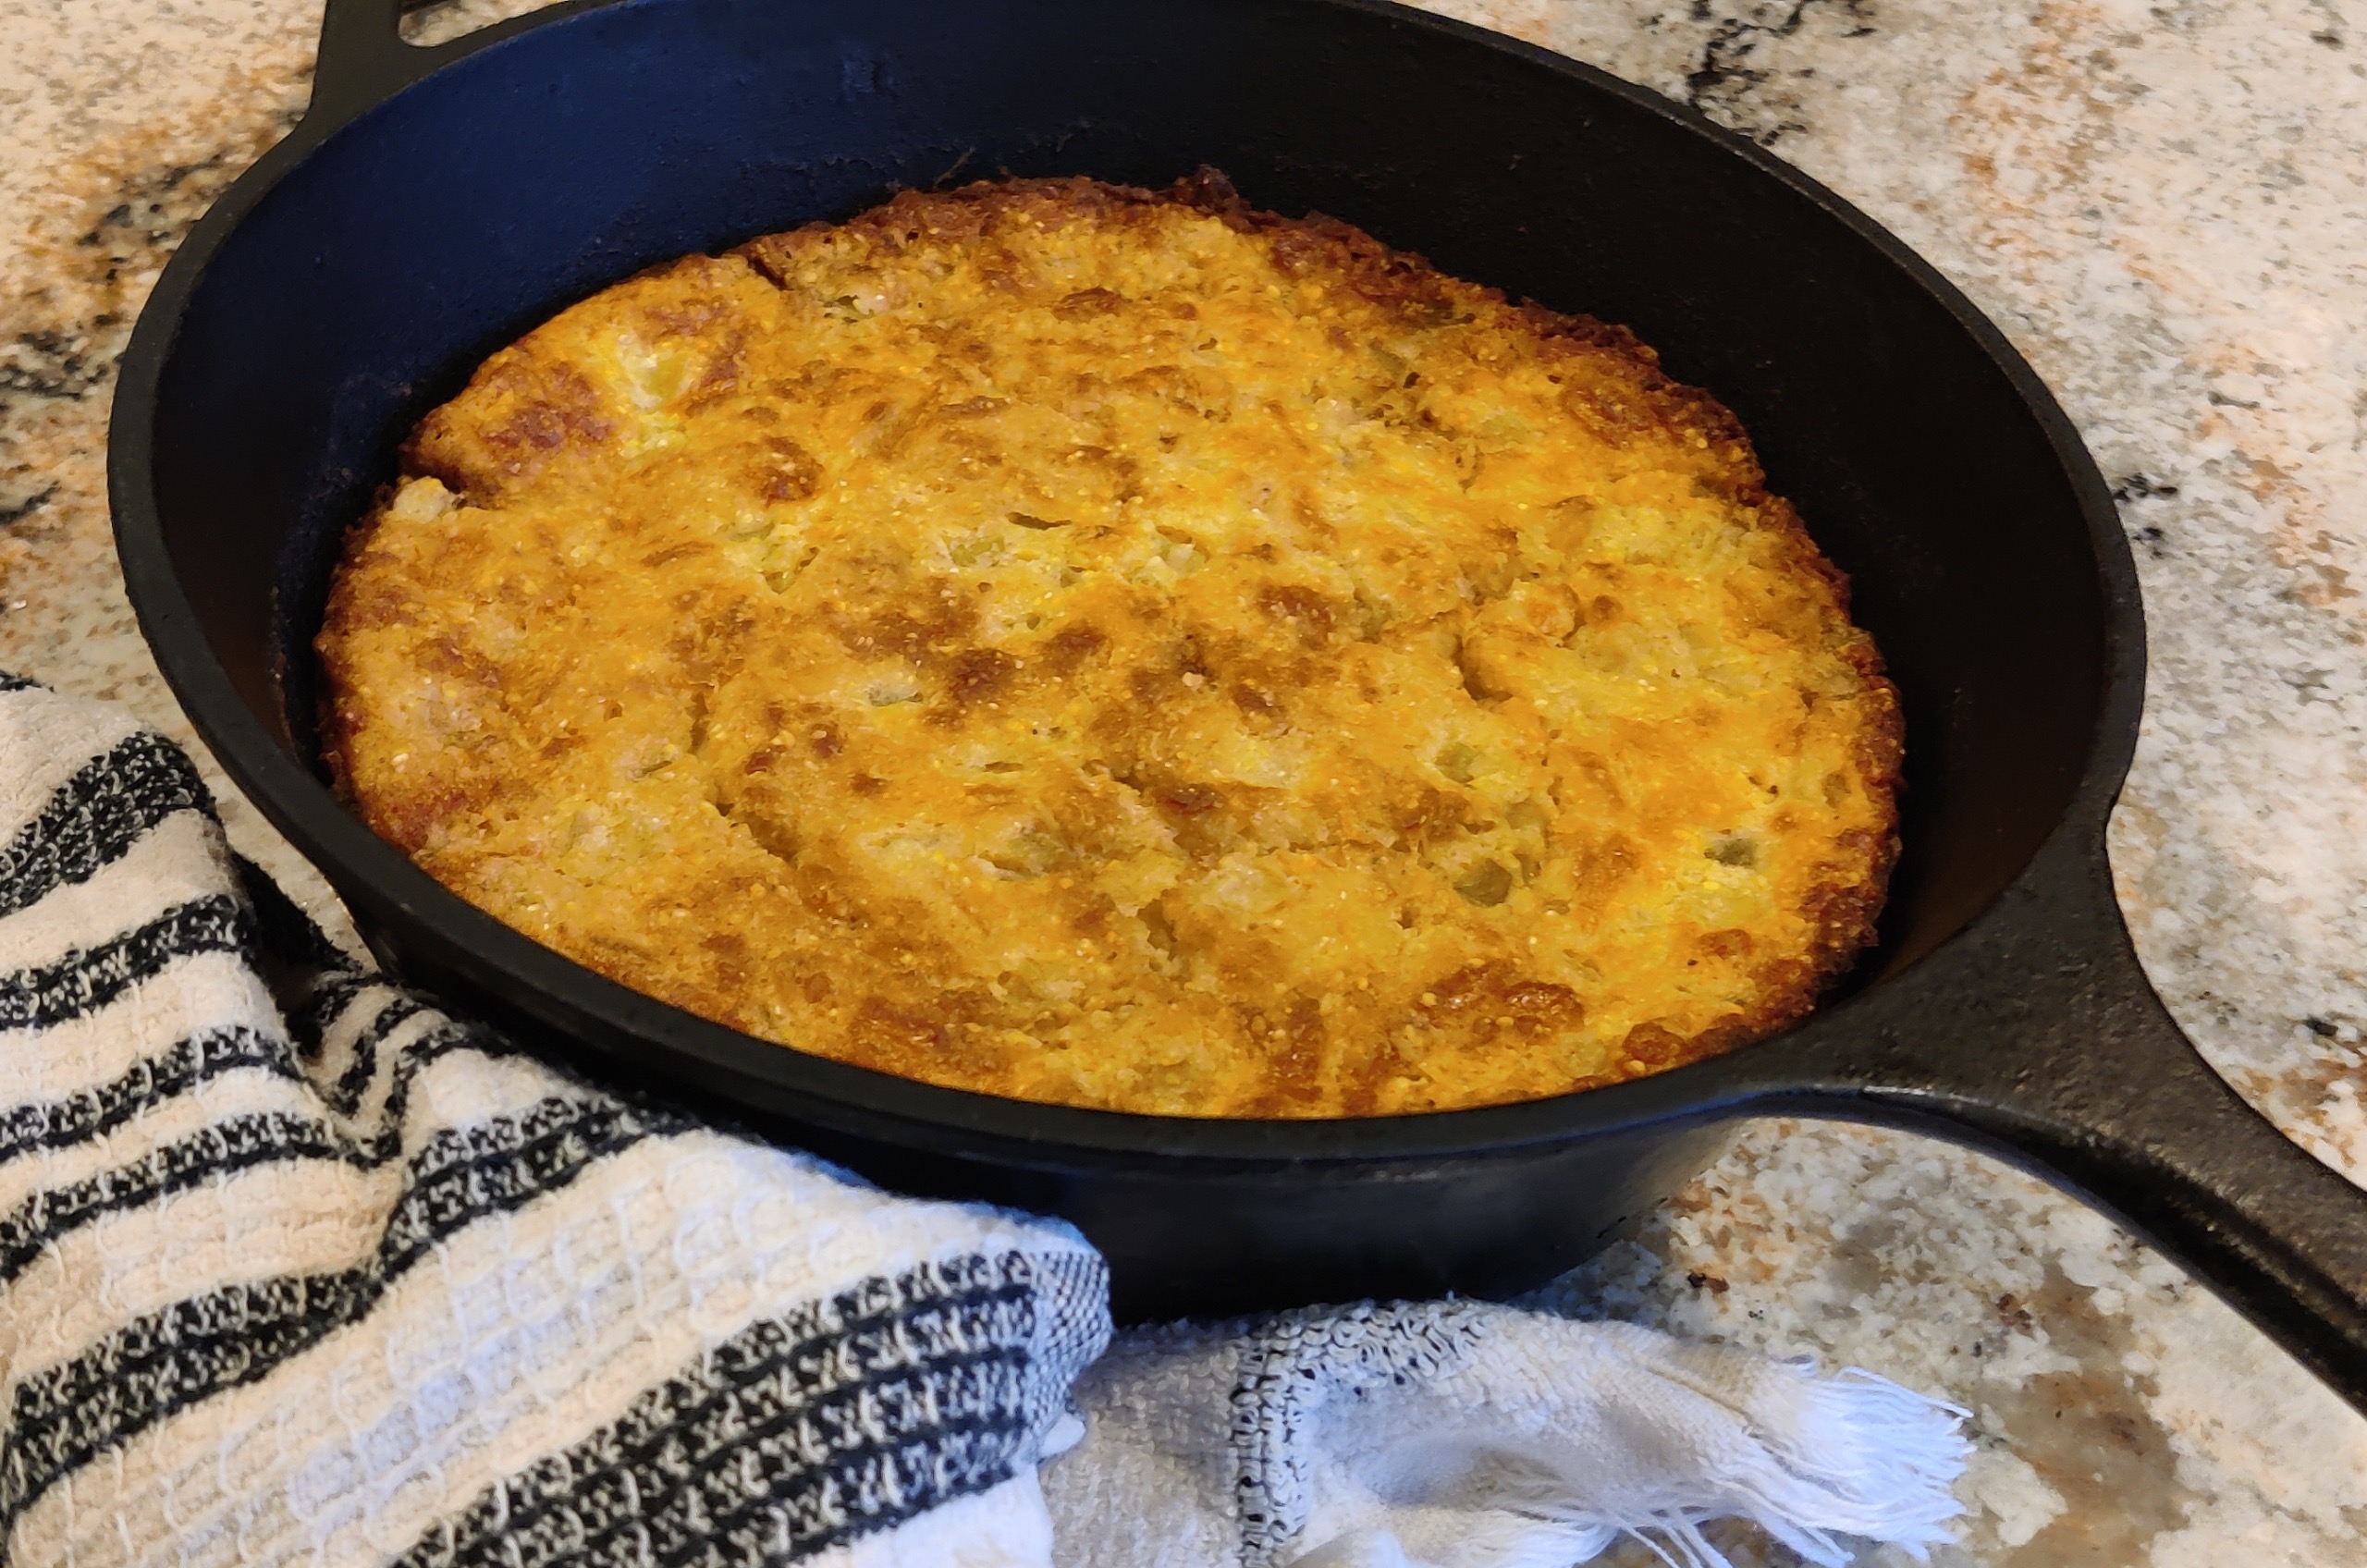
x=1128, y=649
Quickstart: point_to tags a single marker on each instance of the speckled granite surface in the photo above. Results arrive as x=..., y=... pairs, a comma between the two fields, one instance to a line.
x=2166, y=206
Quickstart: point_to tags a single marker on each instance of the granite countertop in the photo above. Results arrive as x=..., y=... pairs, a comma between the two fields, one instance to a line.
x=2164, y=206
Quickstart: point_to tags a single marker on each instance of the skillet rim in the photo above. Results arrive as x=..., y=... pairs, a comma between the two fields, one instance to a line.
x=627, y=1029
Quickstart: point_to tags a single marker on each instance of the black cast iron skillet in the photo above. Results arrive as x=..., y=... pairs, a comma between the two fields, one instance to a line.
x=436, y=202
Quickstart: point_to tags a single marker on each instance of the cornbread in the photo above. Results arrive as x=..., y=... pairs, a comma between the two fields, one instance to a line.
x=1123, y=649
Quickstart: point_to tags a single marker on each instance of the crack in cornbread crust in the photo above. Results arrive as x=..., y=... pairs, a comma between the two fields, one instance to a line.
x=1123, y=649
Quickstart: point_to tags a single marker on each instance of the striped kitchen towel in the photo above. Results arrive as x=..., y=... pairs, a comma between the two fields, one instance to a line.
x=296, y=1268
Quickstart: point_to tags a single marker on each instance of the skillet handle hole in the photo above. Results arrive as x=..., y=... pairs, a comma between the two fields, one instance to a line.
x=441, y=21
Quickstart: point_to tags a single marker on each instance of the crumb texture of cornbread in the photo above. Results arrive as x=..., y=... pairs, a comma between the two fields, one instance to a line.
x=1123, y=649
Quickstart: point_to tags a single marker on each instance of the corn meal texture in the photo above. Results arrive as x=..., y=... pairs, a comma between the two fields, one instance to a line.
x=1128, y=650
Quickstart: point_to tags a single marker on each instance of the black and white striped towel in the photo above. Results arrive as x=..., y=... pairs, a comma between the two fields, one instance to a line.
x=296, y=1268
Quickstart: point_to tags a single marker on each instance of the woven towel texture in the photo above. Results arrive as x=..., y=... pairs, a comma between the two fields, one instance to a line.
x=306, y=1271
x=1466, y=1435
x=297, y=1268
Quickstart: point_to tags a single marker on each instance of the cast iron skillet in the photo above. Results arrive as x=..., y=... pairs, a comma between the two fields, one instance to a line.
x=436, y=202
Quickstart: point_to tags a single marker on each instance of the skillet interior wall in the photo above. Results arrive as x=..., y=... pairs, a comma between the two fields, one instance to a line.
x=646, y=130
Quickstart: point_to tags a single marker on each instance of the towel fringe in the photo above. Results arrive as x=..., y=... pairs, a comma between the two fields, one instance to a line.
x=1855, y=1454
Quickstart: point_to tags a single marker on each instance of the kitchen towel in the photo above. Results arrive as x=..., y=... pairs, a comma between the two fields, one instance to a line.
x=294, y=1267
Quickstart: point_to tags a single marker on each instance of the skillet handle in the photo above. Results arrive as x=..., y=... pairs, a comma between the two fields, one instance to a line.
x=363, y=60
x=2040, y=1039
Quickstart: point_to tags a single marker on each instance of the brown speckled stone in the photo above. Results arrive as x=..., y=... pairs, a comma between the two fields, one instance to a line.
x=2163, y=206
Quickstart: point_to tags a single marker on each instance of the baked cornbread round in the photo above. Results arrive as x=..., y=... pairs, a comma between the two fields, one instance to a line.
x=1123, y=649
